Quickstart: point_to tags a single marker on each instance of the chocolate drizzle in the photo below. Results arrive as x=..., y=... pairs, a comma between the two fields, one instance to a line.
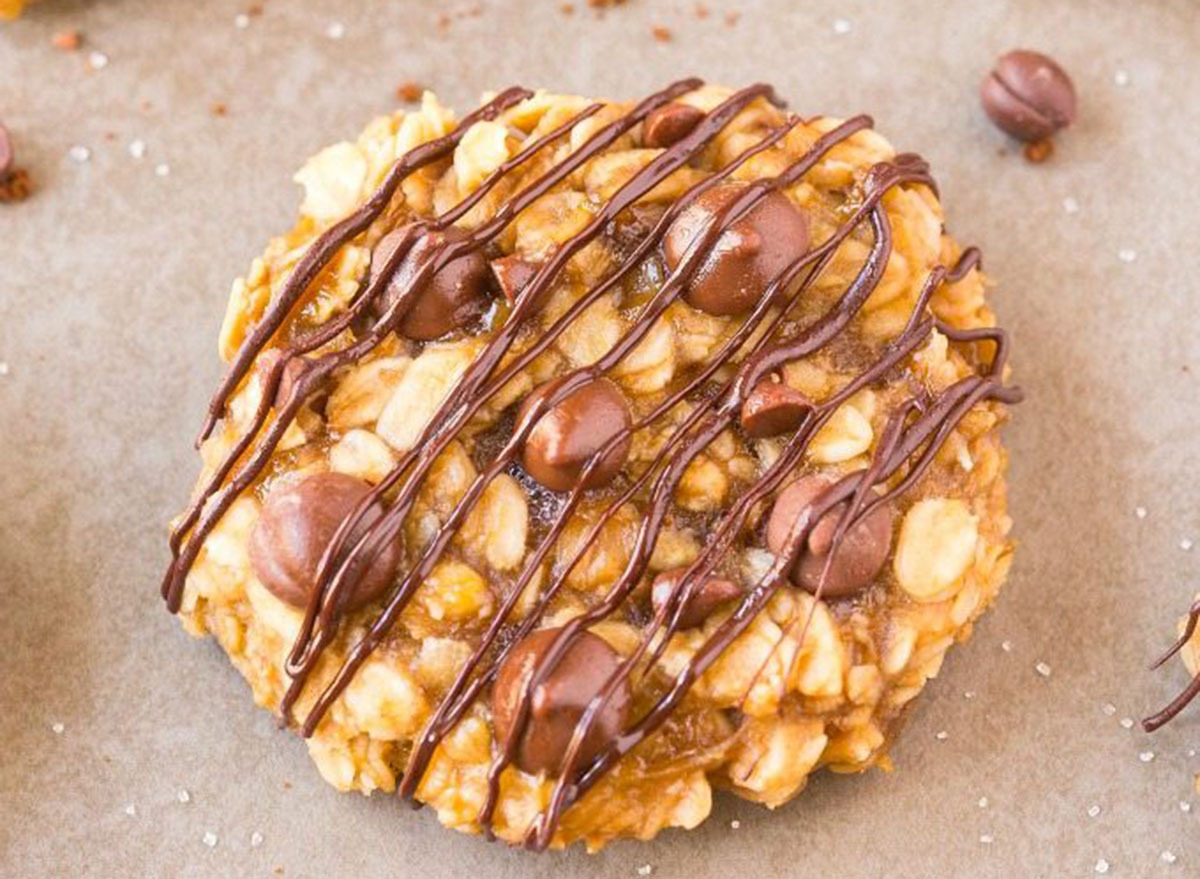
x=1180, y=702
x=907, y=446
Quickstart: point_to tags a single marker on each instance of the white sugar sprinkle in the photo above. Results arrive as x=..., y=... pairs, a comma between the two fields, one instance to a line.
x=256, y=839
x=209, y=839
x=1127, y=254
x=645, y=870
x=1070, y=205
x=335, y=31
x=183, y=796
x=1109, y=709
x=1146, y=756
x=1101, y=866
x=97, y=60
x=1043, y=669
x=137, y=148
x=942, y=735
x=1186, y=544
x=1006, y=646
x=1168, y=856
x=1121, y=78
x=1140, y=512
x=1185, y=806
x=1127, y=722
x=162, y=169
x=79, y=153
x=841, y=26
x=131, y=810
x=1093, y=811
x=241, y=21
x=983, y=802
x=735, y=823
x=986, y=838
x=57, y=728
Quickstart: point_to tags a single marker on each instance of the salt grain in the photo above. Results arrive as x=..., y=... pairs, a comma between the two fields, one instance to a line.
x=1140, y=512
x=335, y=31
x=256, y=839
x=137, y=149
x=1168, y=857
x=986, y=838
x=1006, y=646
x=1127, y=722
x=983, y=802
x=131, y=810
x=1101, y=866
x=1109, y=709
x=97, y=60
x=56, y=728
x=1043, y=669
x=1186, y=544
x=942, y=736
x=1093, y=811
x=162, y=169
x=1185, y=806
x=969, y=694
x=241, y=21
x=735, y=823
x=1121, y=78
x=841, y=26
x=645, y=870
x=209, y=839
x=183, y=796
x=1070, y=205
x=1146, y=756
x=79, y=153
x=1127, y=254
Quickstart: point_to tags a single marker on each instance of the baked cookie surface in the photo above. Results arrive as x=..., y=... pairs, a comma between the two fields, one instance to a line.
x=580, y=456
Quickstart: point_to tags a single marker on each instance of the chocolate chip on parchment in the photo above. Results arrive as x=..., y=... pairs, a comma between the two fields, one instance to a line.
x=1028, y=95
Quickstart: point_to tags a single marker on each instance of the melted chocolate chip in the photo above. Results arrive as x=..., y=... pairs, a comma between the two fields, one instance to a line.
x=859, y=557
x=455, y=296
x=773, y=408
x=1028, y=95
x=746, y=257
x=705, y=598
x=670, y=124
x=512, y=273
x=557, y=704
x=292, y=371
x=574, y=430
x=298, y=522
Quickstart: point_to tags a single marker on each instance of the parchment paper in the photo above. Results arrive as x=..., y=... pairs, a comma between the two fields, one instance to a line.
x=113, y=280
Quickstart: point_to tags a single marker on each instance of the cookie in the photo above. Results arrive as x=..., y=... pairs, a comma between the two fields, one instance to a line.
x=580, y=456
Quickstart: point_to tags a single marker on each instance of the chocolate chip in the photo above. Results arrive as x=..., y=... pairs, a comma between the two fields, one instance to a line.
x=1028, y=95
x=859, y=558
x=574, y=430
x=746, y=257
x=773, y=408
x=7, y=157
x=292, y=371
x=296, y=525
x=512, y=274
x=705, y=598
x=558, y=703
x=455, y=296
x=669, y=124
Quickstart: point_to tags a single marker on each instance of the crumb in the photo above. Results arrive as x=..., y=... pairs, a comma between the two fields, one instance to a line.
x=443, y=22
x=409, y=92
x=278, y=871
x=145, y=106
x=254, y=10
x=67, y=41
x=1038, y=151
x=13, y=188
x=218, y=108
x=660, y=33
x=601, y=4
x=731, y=17
x=701, y=11
x=287, y=785
x=567, y=8
x=110, y=136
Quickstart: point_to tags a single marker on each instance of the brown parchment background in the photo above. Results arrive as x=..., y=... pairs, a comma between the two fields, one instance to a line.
x=112, y=285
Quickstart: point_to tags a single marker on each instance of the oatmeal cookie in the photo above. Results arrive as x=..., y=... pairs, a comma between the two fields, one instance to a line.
x=580, y=456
